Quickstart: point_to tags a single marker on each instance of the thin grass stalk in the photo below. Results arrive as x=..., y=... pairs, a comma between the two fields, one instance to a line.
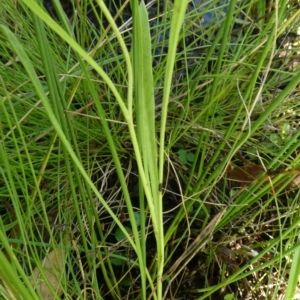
x=116, y=159
x=178, y=15
x=20, y=289
x=294, y=273
x=225, y=32
x=272, y=106
x=222, y=35
x=40, y=91
x=7, y=274
x=242, y=273
x=52, y=118
x=112, y=285
x=249, y=196
x=127, y=112
x=244, y=136
x=203, y=139
x=58, y=104
x=22, y=216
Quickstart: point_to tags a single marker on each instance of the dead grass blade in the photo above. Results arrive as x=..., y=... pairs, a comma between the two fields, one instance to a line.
x=53, y=266
x=197, y=245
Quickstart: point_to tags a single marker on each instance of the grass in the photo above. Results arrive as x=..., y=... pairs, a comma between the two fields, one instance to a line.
x=149, y=159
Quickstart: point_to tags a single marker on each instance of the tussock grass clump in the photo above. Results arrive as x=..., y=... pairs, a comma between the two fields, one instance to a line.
x=149, y=150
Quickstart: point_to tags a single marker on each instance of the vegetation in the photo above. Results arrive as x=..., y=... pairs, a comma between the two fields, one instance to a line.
x=149, y=151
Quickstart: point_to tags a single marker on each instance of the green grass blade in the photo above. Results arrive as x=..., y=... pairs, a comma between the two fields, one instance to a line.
x=39, y=89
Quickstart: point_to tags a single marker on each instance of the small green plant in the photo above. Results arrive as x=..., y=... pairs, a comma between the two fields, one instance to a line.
x=119, y=234
x=229, y=297
x=185, y=156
